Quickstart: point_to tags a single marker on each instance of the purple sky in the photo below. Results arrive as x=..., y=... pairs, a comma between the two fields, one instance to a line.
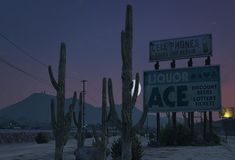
x=91, y=31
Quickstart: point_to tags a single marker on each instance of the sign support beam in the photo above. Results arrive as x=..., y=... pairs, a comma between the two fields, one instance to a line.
x=204, y=125
x=208, y=62
x=157, y=113
x=191, y=114
x=173, y=113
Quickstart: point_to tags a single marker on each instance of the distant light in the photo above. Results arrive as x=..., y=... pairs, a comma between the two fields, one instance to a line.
x=133, y=88
x=227, y=112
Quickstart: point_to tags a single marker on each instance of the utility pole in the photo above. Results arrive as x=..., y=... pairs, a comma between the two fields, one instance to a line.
x=83, y=103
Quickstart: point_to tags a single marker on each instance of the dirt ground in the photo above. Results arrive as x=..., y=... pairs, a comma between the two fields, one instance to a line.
x=33, y=151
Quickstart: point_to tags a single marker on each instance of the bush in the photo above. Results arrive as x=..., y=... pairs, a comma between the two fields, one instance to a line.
x=42, y=138
x=180, y=136
x=183, y=135
x=137, y=150
x=214, y=139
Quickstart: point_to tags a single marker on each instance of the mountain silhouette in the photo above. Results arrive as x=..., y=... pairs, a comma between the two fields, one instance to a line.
x=34, y=111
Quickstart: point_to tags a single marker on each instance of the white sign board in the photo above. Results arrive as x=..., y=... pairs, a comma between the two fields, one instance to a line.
x=179, y=48
x=185, y=89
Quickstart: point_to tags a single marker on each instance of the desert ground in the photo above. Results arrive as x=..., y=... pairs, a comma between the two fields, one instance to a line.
x=33, y=151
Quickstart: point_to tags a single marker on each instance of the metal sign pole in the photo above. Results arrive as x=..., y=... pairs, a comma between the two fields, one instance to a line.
x=157, y=113
x=208, y=62
x=204, y=125
x=173, y=113
x=191, y=114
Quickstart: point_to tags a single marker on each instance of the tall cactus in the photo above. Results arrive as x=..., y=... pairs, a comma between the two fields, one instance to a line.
x=78, y=123
x=61, y=123
x=128, y=101
x=104, y=140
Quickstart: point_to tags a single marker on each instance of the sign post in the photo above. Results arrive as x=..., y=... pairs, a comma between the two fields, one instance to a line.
x=208, y=62
x=191, y=114
x=173, y=113
x=157, y=113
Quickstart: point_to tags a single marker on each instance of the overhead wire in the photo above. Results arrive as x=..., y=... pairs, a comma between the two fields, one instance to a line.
x=23, y=51
x=27, y=54
x=36, y=78
x=22, y=71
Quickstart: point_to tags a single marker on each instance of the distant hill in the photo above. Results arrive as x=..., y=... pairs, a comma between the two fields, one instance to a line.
x=34, y=111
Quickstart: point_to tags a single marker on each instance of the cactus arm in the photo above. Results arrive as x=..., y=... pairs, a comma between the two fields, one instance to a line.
x=113, y=114
x=52, y=79
x=75, y=119
x=134, y=97
x=140, y=124
x=74, y=100
x=68, y=117
x=80, y=115
x=80, y=99
x=78, y=123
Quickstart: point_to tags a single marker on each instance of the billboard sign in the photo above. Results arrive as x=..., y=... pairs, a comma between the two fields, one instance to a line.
x=180, y=48
x=185, y=89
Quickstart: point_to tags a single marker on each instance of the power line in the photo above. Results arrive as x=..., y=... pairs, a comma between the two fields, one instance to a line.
x=22, y=71
x=23, y=51
x=35, y=77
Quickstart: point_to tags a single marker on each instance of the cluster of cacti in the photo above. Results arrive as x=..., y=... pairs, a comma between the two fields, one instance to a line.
x=128, y=100
x=61, y=123
x=78, y=123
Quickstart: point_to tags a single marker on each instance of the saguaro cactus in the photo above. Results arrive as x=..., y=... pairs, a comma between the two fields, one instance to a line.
x=61, y=123
x=78, y=124
x=103, y=142
x=128, y=100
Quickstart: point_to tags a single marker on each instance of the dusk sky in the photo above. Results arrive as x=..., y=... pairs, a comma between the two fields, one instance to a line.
x=91, y=30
